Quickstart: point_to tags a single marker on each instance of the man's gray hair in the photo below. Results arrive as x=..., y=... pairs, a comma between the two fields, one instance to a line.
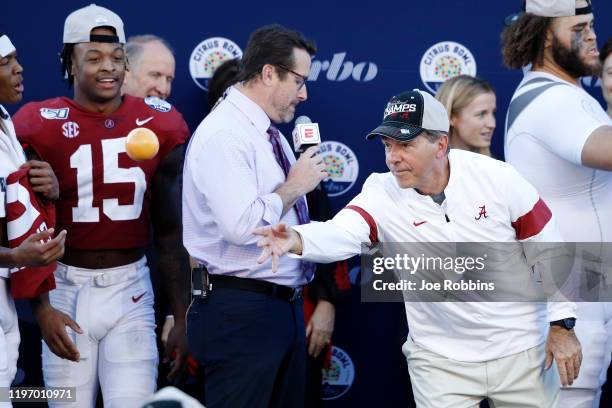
x=135, y=46
x=434, y=135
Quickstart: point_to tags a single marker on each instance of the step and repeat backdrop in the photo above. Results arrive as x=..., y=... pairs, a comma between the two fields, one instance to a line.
x=367, y=52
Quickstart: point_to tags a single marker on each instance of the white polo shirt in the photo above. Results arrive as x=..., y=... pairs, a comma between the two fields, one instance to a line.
x=384, y=212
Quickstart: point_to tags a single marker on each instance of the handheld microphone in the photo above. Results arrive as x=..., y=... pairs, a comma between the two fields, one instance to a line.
x=305, y=134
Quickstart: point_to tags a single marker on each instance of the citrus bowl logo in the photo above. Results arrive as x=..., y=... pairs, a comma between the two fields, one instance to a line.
x=443, y=61
x=341, y=165
x=338, y=378
x=208, y=55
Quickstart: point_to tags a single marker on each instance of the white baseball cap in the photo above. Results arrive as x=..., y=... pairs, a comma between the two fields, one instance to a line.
x=6, y=46
x=409, y=114
x=556, y=8
x=78, y=25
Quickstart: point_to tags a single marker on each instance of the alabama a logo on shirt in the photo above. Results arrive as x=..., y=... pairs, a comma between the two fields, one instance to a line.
x=482, y=213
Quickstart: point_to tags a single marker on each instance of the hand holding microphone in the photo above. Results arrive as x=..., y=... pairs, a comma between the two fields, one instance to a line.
x=310, y=166
x=310, y=169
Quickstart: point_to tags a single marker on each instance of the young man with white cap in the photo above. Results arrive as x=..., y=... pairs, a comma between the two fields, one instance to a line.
x=458, y=353
x=560, y=139
x=35, y=250
x=107, y=202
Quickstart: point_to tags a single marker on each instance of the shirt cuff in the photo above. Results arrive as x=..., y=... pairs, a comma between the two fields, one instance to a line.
x=560, y=310
x=298, y=229
x=273, y=208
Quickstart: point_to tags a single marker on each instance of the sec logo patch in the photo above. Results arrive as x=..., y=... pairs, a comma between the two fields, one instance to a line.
x=70, y=129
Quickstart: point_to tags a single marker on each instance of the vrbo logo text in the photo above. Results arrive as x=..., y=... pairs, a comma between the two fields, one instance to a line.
x=339, y=69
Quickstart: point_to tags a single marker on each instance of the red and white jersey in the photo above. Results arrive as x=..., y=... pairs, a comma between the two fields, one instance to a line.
x=26, y=214
x=104, y=195
x=11, y=157
x=486, y=201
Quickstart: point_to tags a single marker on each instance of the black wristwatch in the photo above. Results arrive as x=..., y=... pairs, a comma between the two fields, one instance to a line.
x=567, y=324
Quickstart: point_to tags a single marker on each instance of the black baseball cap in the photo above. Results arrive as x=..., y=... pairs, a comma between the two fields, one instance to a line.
x=410, y=113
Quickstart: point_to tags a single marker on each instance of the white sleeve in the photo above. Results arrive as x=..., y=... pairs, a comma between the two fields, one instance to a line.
x=563, y=118
x=535, y=226
x=560, y=310
x=342, y=236
x=334, y=240
x=233, y=197
x=530, y=217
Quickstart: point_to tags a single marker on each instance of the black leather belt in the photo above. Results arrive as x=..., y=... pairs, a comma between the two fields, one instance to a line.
x=255, y=285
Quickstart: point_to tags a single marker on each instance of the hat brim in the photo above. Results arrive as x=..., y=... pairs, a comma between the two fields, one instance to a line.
x=402, y=132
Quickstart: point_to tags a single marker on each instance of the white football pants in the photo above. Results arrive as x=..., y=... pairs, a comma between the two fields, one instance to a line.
x=114, y=307
x=594, y=330
x=9, y=338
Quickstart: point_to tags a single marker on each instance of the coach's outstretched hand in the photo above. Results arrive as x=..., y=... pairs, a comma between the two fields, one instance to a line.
x=563, y=346
x=53, y=324
x=276, y=241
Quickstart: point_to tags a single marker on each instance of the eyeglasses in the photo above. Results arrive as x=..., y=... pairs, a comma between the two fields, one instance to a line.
x=302, y=78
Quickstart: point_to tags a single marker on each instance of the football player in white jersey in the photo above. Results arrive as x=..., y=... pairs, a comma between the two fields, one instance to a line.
x=560, y=139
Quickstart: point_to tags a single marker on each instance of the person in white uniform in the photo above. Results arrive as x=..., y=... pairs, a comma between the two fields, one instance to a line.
x=31, y=252
x=458, y=352
x=560, y=139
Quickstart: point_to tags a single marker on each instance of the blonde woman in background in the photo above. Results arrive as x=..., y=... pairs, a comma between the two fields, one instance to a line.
x=470, y=103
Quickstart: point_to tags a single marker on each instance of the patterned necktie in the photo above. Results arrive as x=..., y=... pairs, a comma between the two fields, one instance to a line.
x=300, y=205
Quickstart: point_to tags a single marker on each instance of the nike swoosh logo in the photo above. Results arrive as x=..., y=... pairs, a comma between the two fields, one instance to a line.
x=417, y=224
x=135, y=299
x=142, y=122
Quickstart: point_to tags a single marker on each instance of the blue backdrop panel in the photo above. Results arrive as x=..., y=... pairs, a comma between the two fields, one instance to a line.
x=368, y=51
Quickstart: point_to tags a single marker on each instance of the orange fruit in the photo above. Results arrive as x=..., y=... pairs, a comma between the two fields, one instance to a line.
x=141, y=144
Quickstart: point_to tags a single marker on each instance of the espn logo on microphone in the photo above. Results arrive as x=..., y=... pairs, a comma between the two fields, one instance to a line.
x=306, y=135
x=309, y=132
